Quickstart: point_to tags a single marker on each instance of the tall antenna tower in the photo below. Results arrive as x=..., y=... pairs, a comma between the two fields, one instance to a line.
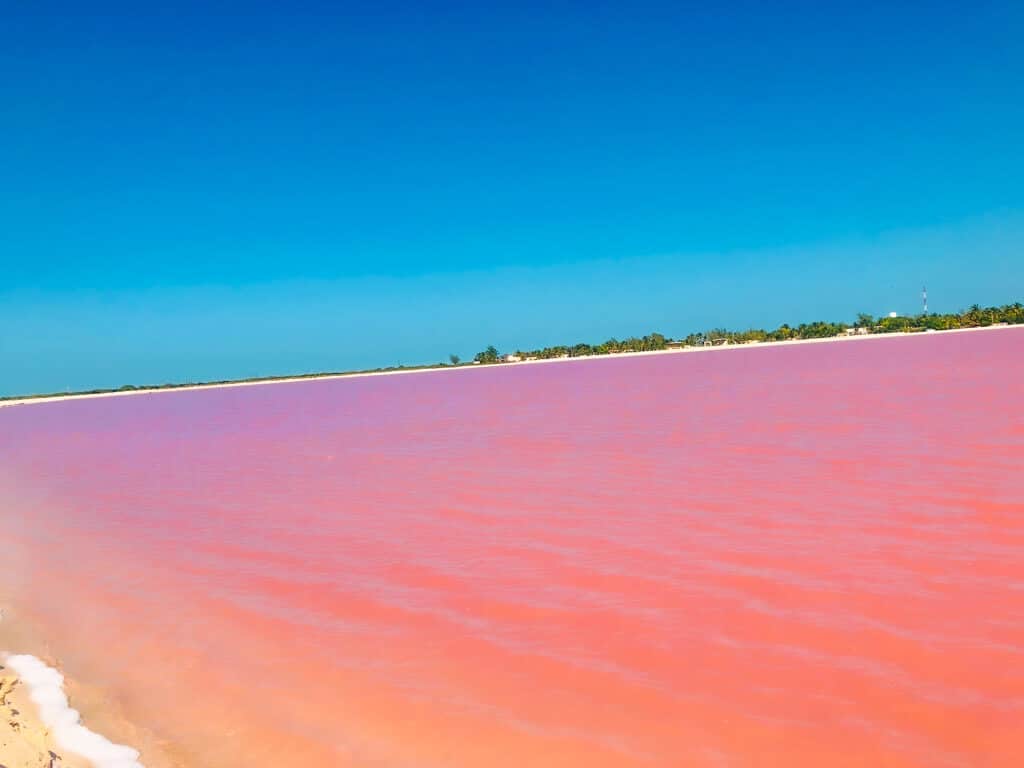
x=924, y=298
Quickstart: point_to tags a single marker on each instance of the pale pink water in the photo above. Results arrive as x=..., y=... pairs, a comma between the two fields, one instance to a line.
x=801, y=556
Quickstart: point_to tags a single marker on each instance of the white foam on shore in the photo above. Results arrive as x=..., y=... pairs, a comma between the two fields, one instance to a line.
x=46, y=688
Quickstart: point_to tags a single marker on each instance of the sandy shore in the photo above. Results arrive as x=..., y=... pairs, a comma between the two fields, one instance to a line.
x=25, y=742
x=49, y=721
x=463, y=368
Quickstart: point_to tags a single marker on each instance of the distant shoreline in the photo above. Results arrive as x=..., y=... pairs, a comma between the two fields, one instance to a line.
x=29, y=400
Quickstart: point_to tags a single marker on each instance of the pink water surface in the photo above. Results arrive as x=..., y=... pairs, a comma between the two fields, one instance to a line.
x=802, y=556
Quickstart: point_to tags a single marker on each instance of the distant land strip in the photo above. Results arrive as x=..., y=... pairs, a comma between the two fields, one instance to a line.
x=975, y=317
x=864, y=325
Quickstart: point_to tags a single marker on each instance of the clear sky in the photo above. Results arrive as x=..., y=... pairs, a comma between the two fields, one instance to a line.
x=227, y=190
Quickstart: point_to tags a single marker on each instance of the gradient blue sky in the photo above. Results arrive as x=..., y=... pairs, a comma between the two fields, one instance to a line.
x=229, y=190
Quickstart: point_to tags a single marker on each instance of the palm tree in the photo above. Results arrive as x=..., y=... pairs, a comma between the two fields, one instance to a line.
x=864, y=320
x=489, y=355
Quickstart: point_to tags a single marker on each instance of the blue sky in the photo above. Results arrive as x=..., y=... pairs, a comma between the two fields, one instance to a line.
x=229, y=190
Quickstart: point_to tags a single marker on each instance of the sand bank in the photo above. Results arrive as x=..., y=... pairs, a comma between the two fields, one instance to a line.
x=62, y=723
x=470, y=367
x=25, y=742
x=49, y=721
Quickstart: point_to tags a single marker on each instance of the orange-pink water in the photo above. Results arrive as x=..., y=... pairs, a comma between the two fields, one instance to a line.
x=801, y=556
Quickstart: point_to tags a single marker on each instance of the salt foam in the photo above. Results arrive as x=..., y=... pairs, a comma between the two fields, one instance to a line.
x=46, y=689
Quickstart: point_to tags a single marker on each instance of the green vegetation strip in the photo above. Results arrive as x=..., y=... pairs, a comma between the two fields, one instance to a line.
x=975, y=317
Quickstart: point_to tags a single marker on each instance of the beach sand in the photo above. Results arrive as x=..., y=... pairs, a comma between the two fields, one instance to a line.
x=24, y=741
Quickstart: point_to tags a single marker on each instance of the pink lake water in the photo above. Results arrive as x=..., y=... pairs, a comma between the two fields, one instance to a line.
x=803, y=556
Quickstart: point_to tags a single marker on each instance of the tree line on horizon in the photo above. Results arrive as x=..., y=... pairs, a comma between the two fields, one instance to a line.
x=974, y=317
